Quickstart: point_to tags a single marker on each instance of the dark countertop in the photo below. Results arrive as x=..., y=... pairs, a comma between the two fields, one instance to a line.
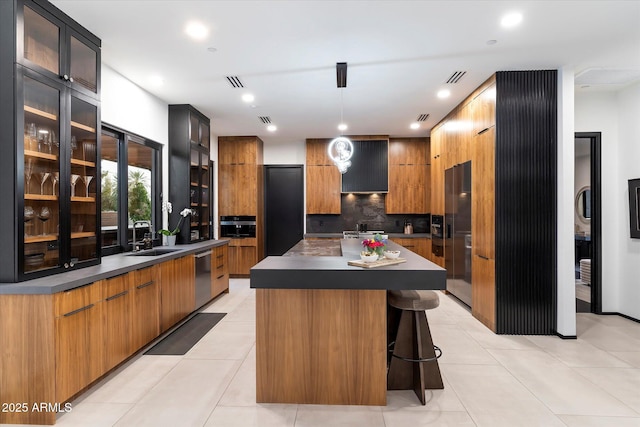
x=391, y=235
x=110, y=266
x=299, y=271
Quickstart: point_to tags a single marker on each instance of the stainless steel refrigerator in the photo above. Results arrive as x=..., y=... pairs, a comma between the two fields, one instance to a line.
x=457, y=231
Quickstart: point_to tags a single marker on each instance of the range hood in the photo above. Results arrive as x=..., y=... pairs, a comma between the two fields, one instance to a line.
x=369, y=170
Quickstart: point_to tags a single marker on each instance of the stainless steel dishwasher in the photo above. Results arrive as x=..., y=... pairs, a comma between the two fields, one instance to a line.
x=203, y=277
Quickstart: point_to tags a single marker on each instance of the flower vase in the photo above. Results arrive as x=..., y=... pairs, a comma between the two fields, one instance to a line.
x=171, y=240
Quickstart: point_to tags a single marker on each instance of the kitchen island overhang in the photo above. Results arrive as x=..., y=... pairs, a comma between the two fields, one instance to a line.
x=321, y=325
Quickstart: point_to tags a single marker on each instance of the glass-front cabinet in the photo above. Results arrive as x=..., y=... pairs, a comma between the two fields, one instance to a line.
x=189, y=142
x=56, y=124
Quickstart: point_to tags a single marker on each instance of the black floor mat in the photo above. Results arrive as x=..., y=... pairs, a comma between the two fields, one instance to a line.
x=582, y=306
x=187, y=335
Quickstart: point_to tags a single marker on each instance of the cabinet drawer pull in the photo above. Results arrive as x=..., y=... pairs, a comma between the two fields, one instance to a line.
x=483, y=257
x=220, y=266
x=203, y=254
x=483, y=131
x=144, y=285
x=220, y=276
x=71, y=313
x=219, y=256
x=121, y=294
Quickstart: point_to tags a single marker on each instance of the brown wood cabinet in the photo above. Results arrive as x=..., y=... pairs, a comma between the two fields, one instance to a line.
x=145, y=316
x=419, y=245
x=323, y=180
x=53, y=346
x=241, y=192
x=116, y=319
x=409, y=180
x=220, y=270
x=242, y=256
x=79, y=339
x=483, y=191
x=177, y=291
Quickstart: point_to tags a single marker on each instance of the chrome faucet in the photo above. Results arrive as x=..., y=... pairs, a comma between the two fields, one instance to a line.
x=134, y=243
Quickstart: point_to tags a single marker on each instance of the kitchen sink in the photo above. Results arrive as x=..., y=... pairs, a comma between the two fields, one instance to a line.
x=153, y=252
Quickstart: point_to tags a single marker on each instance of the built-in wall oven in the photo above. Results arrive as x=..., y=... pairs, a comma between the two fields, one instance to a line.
x=238, y=226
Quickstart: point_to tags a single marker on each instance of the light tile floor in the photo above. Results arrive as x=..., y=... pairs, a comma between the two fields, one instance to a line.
x=490, y=380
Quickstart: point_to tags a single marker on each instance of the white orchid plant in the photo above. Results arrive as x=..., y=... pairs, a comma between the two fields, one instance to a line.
x=168, y=207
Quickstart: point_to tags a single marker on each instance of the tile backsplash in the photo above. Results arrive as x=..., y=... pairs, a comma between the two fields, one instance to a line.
x=368, y=209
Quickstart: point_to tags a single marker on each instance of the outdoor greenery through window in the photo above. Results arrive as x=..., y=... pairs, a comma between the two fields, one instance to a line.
x=138, y=159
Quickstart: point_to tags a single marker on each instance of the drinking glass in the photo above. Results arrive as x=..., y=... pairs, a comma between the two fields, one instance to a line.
x=33, y=134
x=87, y=180
x=55, y=177
x=74, y=179
x=43, y=215
x=28, y=172
x=43, y=178
x=74, y=144
x=29, y=214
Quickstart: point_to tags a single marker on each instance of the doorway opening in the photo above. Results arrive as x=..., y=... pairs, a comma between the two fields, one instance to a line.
x=588, y=223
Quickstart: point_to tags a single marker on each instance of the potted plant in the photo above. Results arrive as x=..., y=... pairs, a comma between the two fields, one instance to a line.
x=377, y=245
x=171, y=234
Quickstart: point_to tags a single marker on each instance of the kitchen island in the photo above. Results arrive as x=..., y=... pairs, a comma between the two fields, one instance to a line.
x=321, y=325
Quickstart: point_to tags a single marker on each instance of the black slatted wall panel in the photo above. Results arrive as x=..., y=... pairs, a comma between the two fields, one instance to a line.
x=369, y=168
x=526, y=218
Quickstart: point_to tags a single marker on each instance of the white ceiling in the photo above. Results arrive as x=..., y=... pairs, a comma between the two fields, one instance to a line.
x=399, y=54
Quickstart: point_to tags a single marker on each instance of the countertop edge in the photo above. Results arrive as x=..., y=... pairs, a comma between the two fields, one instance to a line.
x=391, y=235
x=112, y=265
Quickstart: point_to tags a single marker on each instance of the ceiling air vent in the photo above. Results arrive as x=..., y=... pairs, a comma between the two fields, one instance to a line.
x=341, y=74
x=265, y=119
x=422, y=118
x=234, y=81
x=456, y=76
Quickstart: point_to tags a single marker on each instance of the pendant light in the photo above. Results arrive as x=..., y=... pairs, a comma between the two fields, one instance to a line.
x=341, y=148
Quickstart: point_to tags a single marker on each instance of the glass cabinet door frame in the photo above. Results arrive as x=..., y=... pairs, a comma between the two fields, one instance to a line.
x=64, y=190
x=64, y=48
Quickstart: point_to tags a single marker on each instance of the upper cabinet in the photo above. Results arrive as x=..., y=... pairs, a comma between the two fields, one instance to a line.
x=323, y=179
x=240, y=175
x=190, y=177
x=50, y=176
x=409, y=179
x=48, y=44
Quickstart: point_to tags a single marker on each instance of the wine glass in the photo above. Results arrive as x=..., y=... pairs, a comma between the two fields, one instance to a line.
x=55, y=177
x=74, y=144
x=54, y=141
x=29, y=214
x=44, y=176
x=28, y=172
x=87, y=180
x=33, y=134
x=43, y=215
x=74, y=179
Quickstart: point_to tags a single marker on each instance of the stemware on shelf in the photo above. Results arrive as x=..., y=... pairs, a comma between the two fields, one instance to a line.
x=74, y=144
x=28, y=172
x=29, y=214
x=43, y=215
x=43, y=178
x=74, y=180
x=32, y=132
x=87, y=180
x=55, y=177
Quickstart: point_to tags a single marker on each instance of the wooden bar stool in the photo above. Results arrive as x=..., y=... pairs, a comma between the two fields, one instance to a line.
x=414, y=362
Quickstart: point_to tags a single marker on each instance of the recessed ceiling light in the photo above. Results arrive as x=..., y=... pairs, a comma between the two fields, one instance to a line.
x=511, y=20
x=272, y=128
x=444, y=93
x=415, y=125
x=342, y=126
x=196, y=30
x=247, y=97
x=156, y=80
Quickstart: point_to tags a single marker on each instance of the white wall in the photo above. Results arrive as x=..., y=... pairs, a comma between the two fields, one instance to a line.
x=615, y=115
x=131, y=108
x=285, y=153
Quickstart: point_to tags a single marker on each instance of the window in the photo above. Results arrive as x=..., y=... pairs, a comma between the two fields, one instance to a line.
x=130, y=202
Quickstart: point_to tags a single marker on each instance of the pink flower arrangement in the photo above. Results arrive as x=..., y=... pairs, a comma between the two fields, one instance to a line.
x=377, y=244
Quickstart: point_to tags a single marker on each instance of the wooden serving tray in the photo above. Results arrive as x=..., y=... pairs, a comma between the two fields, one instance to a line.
x=379, y=263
